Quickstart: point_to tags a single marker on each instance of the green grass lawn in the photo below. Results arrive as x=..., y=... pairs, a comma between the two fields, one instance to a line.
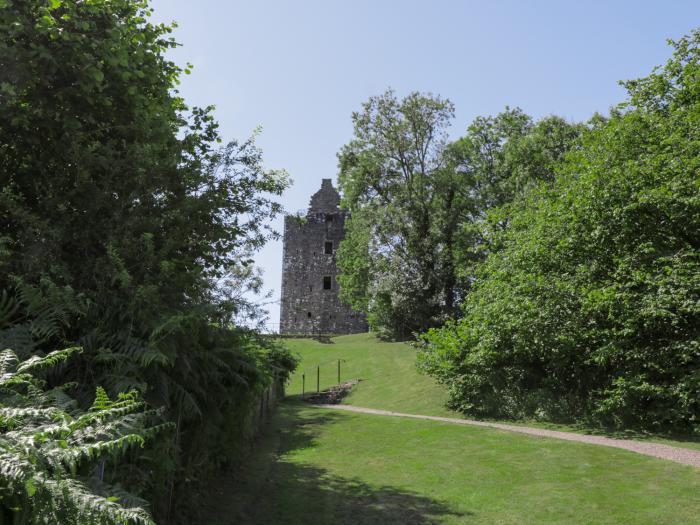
x=318, y=466
x=387, y=372
x=390, y=381
x=325, y=466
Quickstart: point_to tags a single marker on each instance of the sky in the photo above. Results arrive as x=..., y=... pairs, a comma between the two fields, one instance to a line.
x=299, y=69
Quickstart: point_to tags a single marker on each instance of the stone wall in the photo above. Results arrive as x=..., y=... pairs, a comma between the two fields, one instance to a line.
x=310, y=303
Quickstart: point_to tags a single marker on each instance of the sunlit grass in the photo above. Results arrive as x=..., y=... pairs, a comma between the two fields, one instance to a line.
x=390, y=381
x=324, y=466
x=317, y=465
x=387, y=373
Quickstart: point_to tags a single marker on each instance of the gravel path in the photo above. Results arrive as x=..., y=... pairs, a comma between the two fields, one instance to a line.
x=684, y=456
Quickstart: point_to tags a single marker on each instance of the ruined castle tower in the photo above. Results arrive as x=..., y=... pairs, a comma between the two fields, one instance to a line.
x=310, y=303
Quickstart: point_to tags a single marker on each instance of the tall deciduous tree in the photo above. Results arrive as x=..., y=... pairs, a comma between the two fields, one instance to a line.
x=590, y=306
x=498, y=160
x=394, y=182
x=423, y=208
x=115, y=193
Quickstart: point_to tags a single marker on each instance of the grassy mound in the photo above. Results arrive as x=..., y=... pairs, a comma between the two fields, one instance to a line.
x=389, y=380
x=387, y=373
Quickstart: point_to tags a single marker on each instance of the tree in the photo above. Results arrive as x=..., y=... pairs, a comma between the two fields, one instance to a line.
x=498, y=160
x=117, y=193
x=395, y=185
x=423, y=208
x=590, y=307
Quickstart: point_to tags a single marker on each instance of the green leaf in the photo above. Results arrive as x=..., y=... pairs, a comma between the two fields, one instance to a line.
x=5, y=86
x=30, y=487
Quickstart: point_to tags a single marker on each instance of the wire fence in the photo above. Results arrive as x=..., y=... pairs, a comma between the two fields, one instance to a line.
x=314, y=372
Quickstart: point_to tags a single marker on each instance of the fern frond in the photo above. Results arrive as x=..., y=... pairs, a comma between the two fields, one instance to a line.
x=8, y=308
x=14, y=469
x=102, y=400
x=84, y=506
x=42, y=445
x=185, y=400
x=152, y=355
x=49, y=360
x=106, y=414
x=20, y=413
x=72, y=455
x=114, y=493
x=14, y=380
x=8, y=362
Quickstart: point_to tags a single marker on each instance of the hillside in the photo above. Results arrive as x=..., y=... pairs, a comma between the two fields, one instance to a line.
x=387, y=374
x=315, y=465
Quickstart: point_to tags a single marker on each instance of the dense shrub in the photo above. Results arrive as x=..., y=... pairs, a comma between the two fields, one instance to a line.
x=128, y=229
x=591, y=305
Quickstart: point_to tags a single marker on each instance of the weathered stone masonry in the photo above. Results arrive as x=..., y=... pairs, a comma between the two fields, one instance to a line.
x=310, y=302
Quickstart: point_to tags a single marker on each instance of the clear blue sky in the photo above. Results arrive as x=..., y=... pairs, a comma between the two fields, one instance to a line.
x=300, y=68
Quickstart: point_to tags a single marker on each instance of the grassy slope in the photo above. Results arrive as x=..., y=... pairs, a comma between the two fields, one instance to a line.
x=390, y=381
x=387, y=371
x=321, y=466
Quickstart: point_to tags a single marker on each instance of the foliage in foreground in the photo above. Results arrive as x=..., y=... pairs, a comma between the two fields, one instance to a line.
x=127, y=229
x=47, y=446
x=591, y=308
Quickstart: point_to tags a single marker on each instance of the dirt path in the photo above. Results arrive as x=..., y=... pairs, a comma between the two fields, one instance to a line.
x=679, y=455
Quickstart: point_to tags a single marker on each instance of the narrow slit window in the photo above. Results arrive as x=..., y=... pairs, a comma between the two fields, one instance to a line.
x=308, y=314
x=327, y=282
x=329, y=218
x=328, y=248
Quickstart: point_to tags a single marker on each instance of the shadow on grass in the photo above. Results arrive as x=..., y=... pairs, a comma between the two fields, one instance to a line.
x=272, y=490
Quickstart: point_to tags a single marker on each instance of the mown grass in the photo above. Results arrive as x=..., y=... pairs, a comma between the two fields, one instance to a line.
x=324, y=466
x=390, y=381
x=387, y=372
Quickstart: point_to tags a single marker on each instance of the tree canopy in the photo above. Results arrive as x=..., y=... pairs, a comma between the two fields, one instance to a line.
x=420, y=204
x=590, y=305
x=395, y=185
x=127, y=220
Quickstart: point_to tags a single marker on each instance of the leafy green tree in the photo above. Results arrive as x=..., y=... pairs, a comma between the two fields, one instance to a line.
x=126, y=216
x=499, y=159
x=590, y=308
x=394, y=183
x=502, y=156
x=109, y=183
x=422, y=208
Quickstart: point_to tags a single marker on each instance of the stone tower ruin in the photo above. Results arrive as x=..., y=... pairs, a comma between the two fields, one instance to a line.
x=310, y=303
